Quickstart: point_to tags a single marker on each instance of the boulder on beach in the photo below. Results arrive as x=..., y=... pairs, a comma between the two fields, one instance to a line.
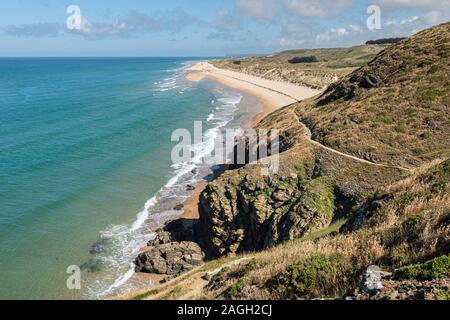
x=171, y=258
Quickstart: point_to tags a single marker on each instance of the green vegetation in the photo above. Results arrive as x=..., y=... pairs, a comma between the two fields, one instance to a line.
x=436, y=268
x=312, y=67
x=307, y=278
x=308, y=59
x=235, y=289
x=146, y=294
x=433, y=69
x=443, y=294
x=172, y=294
x=428, y=94
x=319, y=194
x=334, y=227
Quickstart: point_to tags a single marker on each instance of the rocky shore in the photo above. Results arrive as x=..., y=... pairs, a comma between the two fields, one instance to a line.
x=173, y=251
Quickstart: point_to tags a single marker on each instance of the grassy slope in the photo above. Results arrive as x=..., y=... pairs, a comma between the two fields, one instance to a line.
x=410, y=224
x=405, y=120
x=333, y=64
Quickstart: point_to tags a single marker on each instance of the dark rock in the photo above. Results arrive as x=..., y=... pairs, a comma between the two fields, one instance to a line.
x=92, y=265
x=247, y=220
x=370, y=81
x=162, y=237
x=370, y=157
x=171, y=258
x=378, y=285
x=99, y=247
x=176, y=230
x=338, y=91
x=179, y=207
x=173, y=251
x=190, y=188
x=365, y=81
x=168, y=279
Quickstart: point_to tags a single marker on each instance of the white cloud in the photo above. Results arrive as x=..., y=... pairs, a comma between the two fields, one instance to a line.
x=413, y=4
x=435, y=17
x=332, y=34
x=258, y=9
x=355, y=28
x=316, y=8
x=133, y=24
x=409, y=20
x=227, y=21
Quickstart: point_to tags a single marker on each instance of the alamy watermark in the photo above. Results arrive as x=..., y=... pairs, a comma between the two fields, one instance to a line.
x=73, y=282
x=374, y=21
x=231, y=147
x=373, y=278
x=75, y=20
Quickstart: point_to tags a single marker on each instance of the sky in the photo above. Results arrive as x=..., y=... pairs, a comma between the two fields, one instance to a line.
x=35, y=28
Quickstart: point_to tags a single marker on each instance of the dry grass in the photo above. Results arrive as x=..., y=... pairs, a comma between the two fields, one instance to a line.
x=332, y=64
x=403, y=120
x=403, y=236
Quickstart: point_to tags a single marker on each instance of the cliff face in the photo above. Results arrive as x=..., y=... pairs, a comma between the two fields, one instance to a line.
x=258, y=214
x=369, y=130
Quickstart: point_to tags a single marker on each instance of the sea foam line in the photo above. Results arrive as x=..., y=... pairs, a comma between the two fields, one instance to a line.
x=134, y=240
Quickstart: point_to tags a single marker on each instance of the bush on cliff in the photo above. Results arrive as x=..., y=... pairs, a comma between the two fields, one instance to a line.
x=313, y=277
x=436, y=268
x=309, y=59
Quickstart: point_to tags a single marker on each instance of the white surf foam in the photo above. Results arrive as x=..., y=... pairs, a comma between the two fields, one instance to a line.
x=128, y=240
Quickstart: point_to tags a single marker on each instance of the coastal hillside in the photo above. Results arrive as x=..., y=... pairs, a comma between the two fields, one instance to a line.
x=314, y=68
x=364, y=181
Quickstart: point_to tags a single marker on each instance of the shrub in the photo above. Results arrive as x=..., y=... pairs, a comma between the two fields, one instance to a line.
x=433, y=69
x=436, y=268
x=385, y=41
x=443, y=294
x=308, y=59
x=401, y=127
x=310, y=278
x=236, y=288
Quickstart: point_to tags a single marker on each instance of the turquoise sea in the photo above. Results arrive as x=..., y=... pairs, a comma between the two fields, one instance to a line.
x=85, y=169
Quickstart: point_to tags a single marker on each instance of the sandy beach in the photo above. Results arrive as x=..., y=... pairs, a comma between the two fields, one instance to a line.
x=272, y=94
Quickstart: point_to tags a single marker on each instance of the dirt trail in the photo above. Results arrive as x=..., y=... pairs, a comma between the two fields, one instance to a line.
x=308, y=131
x=308, y=136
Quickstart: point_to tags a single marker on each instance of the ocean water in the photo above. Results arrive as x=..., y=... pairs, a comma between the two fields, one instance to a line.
x=85, y=169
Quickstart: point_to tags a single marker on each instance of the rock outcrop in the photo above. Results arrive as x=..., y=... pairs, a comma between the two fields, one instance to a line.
x=255, y=215
x=383, y=287
x=172, y=258
x=172, y=251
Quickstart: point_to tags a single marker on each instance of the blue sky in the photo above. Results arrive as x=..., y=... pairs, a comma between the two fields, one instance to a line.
x=203, y=27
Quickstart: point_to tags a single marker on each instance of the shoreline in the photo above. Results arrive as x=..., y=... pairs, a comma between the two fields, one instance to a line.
x=270, y=99
x=272, y=95
x=281, y=95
